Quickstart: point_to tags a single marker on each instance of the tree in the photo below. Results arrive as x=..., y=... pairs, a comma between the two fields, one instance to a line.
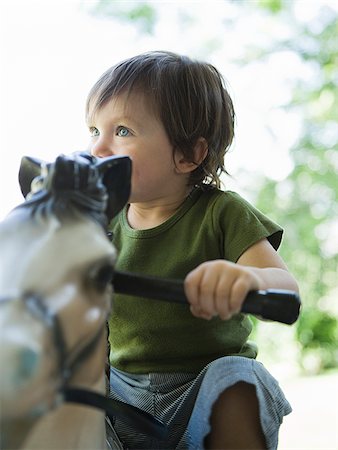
x=306, y=201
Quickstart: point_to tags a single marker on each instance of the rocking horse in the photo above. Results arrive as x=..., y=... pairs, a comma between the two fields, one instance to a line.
x=57, y=280
x=56, y=269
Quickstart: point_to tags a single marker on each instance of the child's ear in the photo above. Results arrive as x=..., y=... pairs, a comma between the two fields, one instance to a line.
x=200, y=152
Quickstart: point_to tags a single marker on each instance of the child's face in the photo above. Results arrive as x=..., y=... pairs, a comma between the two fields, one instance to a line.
x=125, y=126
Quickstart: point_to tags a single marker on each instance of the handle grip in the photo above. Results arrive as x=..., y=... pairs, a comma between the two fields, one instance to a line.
x=273, y=304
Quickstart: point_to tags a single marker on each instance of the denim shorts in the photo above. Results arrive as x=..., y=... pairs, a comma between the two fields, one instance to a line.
x=184, y=401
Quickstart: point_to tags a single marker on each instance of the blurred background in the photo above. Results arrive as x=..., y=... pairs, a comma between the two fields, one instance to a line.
x=280, y=61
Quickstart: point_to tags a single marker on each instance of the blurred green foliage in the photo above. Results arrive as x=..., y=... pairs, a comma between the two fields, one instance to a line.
x=305, y=202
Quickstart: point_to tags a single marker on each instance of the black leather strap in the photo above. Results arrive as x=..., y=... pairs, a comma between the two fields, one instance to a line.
x=135, y=417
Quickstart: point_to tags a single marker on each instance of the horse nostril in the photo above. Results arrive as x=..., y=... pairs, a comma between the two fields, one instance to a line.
x=19, y=367
x=28, y=361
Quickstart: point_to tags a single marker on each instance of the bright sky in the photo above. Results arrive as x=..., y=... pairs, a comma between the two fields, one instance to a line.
x=52, y=52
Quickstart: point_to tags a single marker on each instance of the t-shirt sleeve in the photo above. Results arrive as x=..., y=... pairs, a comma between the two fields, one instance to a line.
x=243, y=225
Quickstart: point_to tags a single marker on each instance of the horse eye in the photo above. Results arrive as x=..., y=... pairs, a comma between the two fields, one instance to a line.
x=100, y=276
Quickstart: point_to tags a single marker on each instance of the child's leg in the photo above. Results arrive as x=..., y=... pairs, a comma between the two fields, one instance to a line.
x=235, y=420
x=237, y=403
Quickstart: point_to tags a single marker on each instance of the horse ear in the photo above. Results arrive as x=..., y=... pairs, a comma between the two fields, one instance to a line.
x=30, y=168
x=116, y=172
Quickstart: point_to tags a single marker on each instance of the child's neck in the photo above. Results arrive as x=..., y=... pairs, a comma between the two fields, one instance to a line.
x=142, y=216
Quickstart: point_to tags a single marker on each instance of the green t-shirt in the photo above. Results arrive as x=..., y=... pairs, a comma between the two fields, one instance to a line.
x=154, y=336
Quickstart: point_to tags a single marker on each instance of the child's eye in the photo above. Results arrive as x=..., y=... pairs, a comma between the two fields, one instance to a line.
x=122, y=131
x=94, y=131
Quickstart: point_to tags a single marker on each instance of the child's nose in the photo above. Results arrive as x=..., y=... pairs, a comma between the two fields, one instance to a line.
x=102, y=149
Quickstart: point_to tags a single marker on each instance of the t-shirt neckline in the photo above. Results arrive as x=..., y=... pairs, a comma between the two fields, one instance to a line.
x=150, y=232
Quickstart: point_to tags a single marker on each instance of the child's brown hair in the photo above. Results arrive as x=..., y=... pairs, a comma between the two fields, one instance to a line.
x=188, y=96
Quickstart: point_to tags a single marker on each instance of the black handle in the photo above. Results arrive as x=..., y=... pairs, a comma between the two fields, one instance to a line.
x=273, y=304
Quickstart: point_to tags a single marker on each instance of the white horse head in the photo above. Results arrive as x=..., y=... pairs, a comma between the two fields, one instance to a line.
x=56, y=267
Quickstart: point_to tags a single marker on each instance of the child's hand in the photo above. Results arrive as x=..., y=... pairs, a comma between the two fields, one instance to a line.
x=219, y=287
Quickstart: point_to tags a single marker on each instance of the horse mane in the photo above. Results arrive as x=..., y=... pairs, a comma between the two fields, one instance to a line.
x=67, y=188
x=66, y=206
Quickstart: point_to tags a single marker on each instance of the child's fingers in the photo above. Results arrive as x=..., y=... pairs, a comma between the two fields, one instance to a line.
x=199, y=289
x=197, y=312
x=240, y=288
x=221, y=299
x=218, y=288
x=208, y=289
x=239, y=291
x=206, y=299
x=191, y=289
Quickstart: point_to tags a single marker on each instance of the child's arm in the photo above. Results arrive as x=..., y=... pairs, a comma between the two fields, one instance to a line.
x=219, y=287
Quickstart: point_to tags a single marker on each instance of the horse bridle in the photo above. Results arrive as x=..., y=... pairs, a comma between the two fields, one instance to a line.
x=67, y=364
x=137, y=418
